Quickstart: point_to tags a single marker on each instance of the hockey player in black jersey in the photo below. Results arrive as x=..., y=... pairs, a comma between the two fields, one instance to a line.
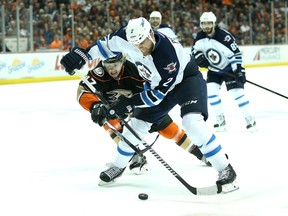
x=172, y=78
x=217, y=50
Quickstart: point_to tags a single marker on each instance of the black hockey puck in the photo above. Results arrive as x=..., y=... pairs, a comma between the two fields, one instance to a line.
x=143, y=196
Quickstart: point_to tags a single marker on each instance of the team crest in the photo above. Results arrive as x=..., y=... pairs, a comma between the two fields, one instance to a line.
x=213, y=56
x=115, y=94
x=144, y=72
x=98, y=71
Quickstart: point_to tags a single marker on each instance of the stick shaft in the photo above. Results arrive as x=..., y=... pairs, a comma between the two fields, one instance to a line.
x=266, y=89
x=229, y=74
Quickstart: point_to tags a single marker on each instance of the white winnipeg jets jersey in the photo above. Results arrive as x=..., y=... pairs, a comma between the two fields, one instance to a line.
x=167, y=30
x=162, y=70
x=220, y=50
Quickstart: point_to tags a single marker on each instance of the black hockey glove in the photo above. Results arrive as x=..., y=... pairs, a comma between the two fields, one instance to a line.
x=75, y=59
x=99, y=113
x=202, y=61
x=121, y=107
x=240, y=74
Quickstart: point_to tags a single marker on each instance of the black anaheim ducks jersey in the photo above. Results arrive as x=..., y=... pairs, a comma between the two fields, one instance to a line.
x=130, y=81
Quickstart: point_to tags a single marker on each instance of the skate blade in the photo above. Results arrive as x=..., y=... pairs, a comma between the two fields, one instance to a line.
x=103, y=183
x=228, y=188
x=252, y=129
x=221, y=129
x=140, y=171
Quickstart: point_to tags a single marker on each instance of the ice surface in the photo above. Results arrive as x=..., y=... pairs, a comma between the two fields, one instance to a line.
x=51, y=155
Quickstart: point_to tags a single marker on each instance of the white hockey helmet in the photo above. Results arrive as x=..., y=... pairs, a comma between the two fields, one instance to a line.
x=156, y=14
x=208, y=17
x=155, y=19
x=138, y=30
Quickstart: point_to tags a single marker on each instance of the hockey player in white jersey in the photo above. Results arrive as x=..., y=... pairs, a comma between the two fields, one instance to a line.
x=172, y=77
x=217, y=50
x=155, y=20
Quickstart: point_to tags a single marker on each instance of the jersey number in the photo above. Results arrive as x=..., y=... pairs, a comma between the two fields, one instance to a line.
x=91, y=80
x=233, y=46
x=168, y=81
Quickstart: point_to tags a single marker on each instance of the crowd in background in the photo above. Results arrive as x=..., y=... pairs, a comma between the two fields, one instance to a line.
x=249, y=20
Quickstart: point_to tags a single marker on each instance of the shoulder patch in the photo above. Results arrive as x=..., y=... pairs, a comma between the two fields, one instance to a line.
x=99, y=71
x=227, y=38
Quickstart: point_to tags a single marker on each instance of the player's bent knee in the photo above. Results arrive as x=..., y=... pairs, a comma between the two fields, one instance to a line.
x=196, y=128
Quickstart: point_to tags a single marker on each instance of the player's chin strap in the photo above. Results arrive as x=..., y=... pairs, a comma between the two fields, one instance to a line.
x=210, y=190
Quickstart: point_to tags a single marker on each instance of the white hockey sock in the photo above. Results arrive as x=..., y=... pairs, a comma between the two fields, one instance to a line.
x=214, y=98
x=241, y=99
x=124, y=152
x=201, y=134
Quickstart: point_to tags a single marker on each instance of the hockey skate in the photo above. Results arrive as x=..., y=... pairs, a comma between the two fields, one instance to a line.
x=251, y=124
x=197, y=153
x=227, y=180
x=220, y=125
x=138, y=164
x=110, y=175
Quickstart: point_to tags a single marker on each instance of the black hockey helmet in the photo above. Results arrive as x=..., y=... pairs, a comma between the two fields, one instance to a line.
x=113, y=66
x=118, y=58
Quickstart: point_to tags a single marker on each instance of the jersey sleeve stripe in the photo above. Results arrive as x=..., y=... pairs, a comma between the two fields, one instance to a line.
x=146, y=99
x=152, y=98
x=101, y=49
x=158, y=94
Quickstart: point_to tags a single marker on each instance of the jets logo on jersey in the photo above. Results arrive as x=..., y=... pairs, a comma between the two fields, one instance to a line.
x=171, y=67
x=214, y=56
x=98, y=71
x=144, y=72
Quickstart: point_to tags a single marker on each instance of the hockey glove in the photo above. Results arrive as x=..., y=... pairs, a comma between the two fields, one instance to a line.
x=75, y=59
x=240, y=74
x=99, y=113
x=202, y=61
x=121, y=107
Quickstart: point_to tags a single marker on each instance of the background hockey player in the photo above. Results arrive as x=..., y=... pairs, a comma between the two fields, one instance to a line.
x=173, y=78
x=155, y=20
x=217, y=50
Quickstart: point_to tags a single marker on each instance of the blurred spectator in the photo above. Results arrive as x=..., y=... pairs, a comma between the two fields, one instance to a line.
x=23, y=29
x=60, y=3
x=245, y=33
x=262, y=35
x=49, y=34
x=68, y=39
x=56, y=43
x=39, y=39
x=81, y=41
x=12, y=30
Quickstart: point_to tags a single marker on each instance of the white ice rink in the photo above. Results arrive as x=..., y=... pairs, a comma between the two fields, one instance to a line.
x=51, y=155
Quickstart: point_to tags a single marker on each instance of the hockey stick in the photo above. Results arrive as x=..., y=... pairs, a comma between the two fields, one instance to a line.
x=210, y=190
x=229, y=74
x=138, y=151
x=106, y=104
x=267, y=89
